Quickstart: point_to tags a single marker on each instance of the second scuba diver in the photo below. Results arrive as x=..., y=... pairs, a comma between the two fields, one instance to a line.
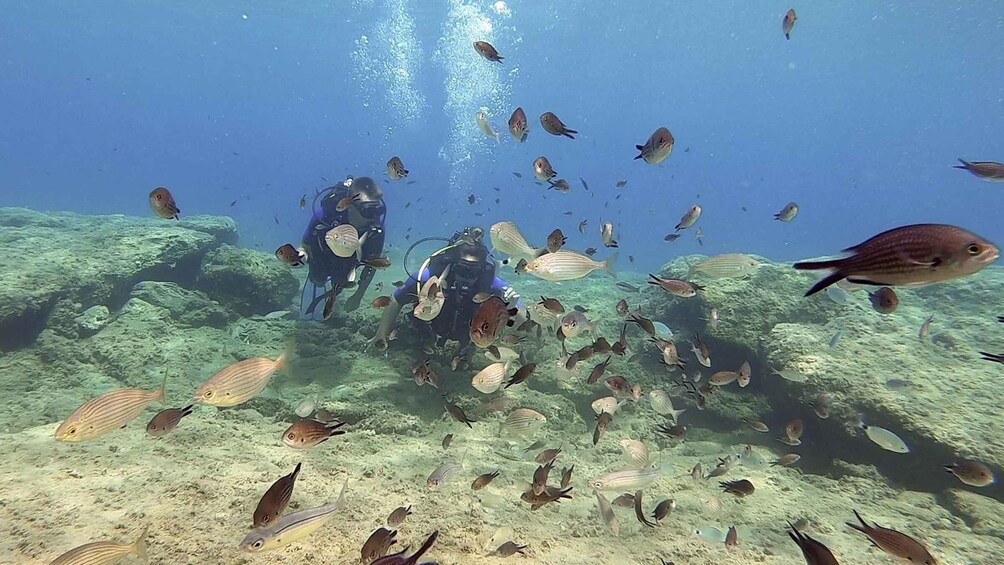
x=335, y=254
x=450, y=278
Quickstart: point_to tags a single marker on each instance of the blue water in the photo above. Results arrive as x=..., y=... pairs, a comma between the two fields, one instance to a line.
x=858, y=118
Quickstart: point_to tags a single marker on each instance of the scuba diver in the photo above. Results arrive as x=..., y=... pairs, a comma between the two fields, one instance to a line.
x=444, y=289
x=356, y=202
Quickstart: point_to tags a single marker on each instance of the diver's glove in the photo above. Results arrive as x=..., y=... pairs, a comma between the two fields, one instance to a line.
x=509, y=295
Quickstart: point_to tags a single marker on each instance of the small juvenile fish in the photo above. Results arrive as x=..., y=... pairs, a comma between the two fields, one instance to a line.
x=682, y=289
x=398, y=516
x=607, y=513
x=986, y=170
x=378, y=544
x=787, y=213
x=483, y=120
x=745, y=374
x=104, y=552
x=239, y=382
x=689, y=218
x=107, y=413
x=701, y=351
x=166, y=421
x=377, y=262
x=510, y=548
x=621, y=183
x=307, y=433
x=554, y=126
x=675, y=432
x=484, y=480
x=822, y=404
x=603, y=420
x=518, y=127
x=925, y=328
x=582, y=226
x=447, y=440
x=458, y=413
x=896, y=544
x=395, y=168
x=556, y=240
x=835, y=340
x=884, y=438
x=566, y=476
x=757, y=426
x=884, y=300
x=275, y=499
x=347, y=202
x=162, y=202
x=292, y=527
x=697, y=473
x=443, y=474
x=793, y=432
x=303, y=201
x=788, y=23
x=732, y=537
x=663, y=509
x=487, y=51
x=543, y=170
x=289, y=255
x=658, y=147
x=972, y=473
x=670, y=238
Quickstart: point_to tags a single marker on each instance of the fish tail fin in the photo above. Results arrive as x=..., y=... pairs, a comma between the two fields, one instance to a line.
x=965, y=164
x=498, y=138
x=787, y=36
x=608, y=265
x=162, y=392
x=824, y=283
x=139, y=546
x=282, y=362
x=425, y=547
x=187, y=410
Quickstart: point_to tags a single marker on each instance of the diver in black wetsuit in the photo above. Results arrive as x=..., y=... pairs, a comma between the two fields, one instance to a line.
x=366, y=213
x=466, y=268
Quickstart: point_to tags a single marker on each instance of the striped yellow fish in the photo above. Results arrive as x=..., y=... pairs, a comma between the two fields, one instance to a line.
x=293, y=527
x=107, y=413
x=239, y=382
x=522, y=421
x=567, y=265
x=626, y=479
x=103, y=552
x=506, y=238
x=728, y=266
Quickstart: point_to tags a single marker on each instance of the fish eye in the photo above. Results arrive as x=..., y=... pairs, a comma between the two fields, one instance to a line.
x=71, y=431
x=208, y=394
x=484, y=327
x=257, y=544
x=973, y=249
x=265, y=519
x=290, y=436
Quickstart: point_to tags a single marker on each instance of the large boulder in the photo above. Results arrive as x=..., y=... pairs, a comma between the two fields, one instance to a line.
x=248, y=282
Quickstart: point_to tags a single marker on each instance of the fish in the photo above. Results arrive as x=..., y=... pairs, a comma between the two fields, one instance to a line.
x=550, y=494
x=106, y=413
x=607, y=513
x=484, y=480
x=701, y=351
x=675, y=287
x=490, y=319
x=884, y=300
x=347, y=202
x=658, y=147
x=377, y=262
x=518, y=127
x=626, y=479
x=575, y=323
x=104, y=552
x=590, y=251
x=398, y=516
x=489, y=379
x=896, y=544
x=689, y=218
x=381, y=302
x=793, y=432
x=567, y=265
x=787, y=213
x=663, y=509
x=483, y=120
x=554, y=126
x=543, y=170
x=663, y=405
x=303, y=201
x=696, y=473
x=745, y=374
x=560, y=185
x=626, y=286
x=597, y=372
x=884, y=438
x=790, y=375
x=925, y=328
x=399, y=558
x=639, y=512
x=723, y=378
x=540, y=475
x=447, y=440
x=275, y=499
x=622, y=308
x=671, y=237
x=378, y=544
x=607, y=404
x=166, y=421
x=566, y=476
x=509, y=548
x=395, y=168
x=458, y=413
x=727, y=266
x=442, y=474
x=603, y=420
x=307, y=433
x=607, y=234
x=488, y=51
x=556, y=240
x=423, y=372
x=522, y=421
x=814, y=552
x=912, y=255
x=506, y=238
x=239, y=382
x=582, y=226
x=835, y=340
x=972, y=473
x=289, y=255
x=344, y=241
x=986, y=170
x=292, y=527
x=757, y=426
x=522, y=374
x=786, y=460
x=700, y=237
x=635, y=452
x=741, y=488
x=585, y=185
x=822, y=404
x=521, y=267
x=621, y=183
x=547, y=456
x=162, y=203
x=788, y=23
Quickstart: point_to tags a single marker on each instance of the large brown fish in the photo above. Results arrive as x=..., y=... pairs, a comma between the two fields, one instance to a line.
x=554, y=126
x=814, y=552
x=986, y=170
x=163, y=204
x=488, y=51
x=275, y=499
x=658, y=147
x=895, y=543
x=912, y=255
x=492, y=317
x=517, y=125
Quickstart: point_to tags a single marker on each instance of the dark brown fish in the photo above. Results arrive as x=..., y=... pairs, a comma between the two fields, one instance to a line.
x=548, y=456
x=590, y=251
x=166, y=421
x=447, y=440
x=675, y=432
x=622, y=307
x=621, y=183
x=381, y=302
x=275, y=499
x=398, y=284
x=639, y=512
x=896, y=544
x=399, y=558
x=663, y=509
x=566, y=476
x=602, y=423
x=554, y=126
x=549, y=495
x=672, y=237
x=163, y=204
x=424, y=373
x=510, y=548
x=329, y=306
x=908, y=256
x=378, y=544
x=618, y=385
x=484, y=480
x=540, y=478
x=740, y=488
x=643, y=323
x=308, y=433
x=518, y=127
x=597, y=373
x=625, y=500
x=986, y=170
x=521, y=375
x=289, y=255
x=397, y=517
x=345, y=203
x=552, y=305
x=884, y=300
x=303, y=201
x=458, y=413
x=555, y=240
x=493, y=316
x=377, y=262
x=487, y=51
x=814, y=552
x=601, y=346
x=732, y=537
